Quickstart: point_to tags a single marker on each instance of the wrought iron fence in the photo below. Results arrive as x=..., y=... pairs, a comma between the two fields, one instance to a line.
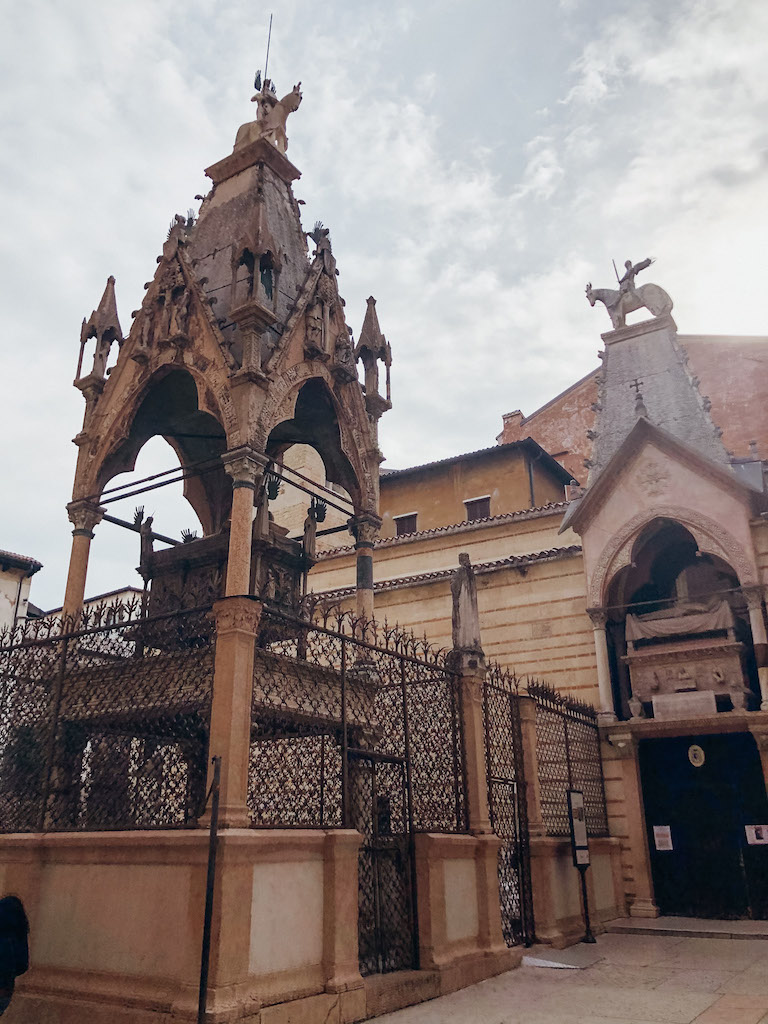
x=359, y=725
x=104, y=721
x=505, y=767
x=326, y=689
x=568, y=754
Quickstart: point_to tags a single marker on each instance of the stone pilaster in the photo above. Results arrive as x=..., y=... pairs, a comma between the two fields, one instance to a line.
x=599, y=617
x=471, y=667
x=84, y=516
x=527, y=707
x=246, y=466
x=754, y=597
x=237, y=623
x=621, y=746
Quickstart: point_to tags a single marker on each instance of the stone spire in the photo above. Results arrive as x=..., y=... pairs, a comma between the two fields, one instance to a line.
x=104, y=326
x=648, y=356
x=371, y=348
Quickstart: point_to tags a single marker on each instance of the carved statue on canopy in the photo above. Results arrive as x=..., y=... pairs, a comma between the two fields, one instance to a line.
x=628, y=298
x=273, y=113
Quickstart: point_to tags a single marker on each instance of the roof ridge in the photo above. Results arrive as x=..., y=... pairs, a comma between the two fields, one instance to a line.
x=481, y=567
x=384, y=542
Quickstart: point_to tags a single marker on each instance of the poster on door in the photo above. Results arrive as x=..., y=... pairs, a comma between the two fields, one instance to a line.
x=662, y=837
x=757, y=835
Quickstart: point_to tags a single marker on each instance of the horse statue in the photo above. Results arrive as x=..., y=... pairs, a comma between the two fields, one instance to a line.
x=627, y=298
x=271, y=117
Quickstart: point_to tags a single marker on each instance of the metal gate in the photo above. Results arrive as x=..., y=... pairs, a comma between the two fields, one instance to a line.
x=381, y=812
x=506, y=803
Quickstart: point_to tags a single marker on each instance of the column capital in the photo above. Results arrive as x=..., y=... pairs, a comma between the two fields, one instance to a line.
x=245, y=465
x=237, y=615
x=84, y=516
x=598, y=616
x=754, y=594
x=364, y=528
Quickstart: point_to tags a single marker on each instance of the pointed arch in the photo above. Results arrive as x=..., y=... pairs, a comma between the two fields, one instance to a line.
x=175, y=404
x=286, y=418
x=711, y=537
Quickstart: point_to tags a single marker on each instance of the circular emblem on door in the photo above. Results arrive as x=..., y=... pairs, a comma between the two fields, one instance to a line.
x=696, y=755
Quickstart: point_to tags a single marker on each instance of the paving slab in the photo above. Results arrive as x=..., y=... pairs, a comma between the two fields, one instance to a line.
x=689, y=926
x=636, y=979
x=574, y=957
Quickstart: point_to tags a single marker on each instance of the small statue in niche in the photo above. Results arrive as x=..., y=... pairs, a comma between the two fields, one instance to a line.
x=321, y=236
x=179, y=316
x=315, y=330
x=345, y=356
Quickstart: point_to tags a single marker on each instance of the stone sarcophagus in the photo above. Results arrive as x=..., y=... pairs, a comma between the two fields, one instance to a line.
x=686, y=650
x=193, y=574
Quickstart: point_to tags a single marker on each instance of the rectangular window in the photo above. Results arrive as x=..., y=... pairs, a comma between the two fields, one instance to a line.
x=478, y=508
x=405, y=524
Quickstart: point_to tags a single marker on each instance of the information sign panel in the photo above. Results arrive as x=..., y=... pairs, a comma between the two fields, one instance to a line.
x=578, y=822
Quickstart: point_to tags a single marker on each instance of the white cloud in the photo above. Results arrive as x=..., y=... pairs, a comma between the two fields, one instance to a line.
x=477, y=252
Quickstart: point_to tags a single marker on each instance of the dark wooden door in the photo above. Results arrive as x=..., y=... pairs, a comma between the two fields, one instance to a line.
x=706, y=803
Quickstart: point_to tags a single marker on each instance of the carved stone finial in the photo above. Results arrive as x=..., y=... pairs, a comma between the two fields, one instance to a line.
x=372, y=347
x=628, y=298
x=104, y=326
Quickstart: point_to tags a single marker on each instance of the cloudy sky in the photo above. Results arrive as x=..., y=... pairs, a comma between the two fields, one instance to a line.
x=476, y=164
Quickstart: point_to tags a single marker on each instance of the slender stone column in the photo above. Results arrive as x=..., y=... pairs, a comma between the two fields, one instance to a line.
x=754, y=596
x=246, y=467
x=237, y=623
x=599, y=617
x=469, y=659
x=364, y=528
x=472, y=668
x=84, y=516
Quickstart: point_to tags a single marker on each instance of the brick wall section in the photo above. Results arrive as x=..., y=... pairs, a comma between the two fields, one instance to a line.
x=732, y=371
x=560, y=426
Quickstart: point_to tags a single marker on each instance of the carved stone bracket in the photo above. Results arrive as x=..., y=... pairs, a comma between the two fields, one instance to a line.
x=245, y=465
x=84, y=516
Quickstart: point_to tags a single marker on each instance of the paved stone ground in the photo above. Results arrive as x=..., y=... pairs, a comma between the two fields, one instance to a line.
x=638, y=979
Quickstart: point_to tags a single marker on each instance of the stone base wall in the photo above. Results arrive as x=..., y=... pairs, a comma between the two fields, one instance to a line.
x=116, y=926
x=557, y=907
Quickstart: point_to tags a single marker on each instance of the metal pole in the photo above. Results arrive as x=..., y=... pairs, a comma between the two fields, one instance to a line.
x=209, y=884
x=588, y=936
x=269, y=40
